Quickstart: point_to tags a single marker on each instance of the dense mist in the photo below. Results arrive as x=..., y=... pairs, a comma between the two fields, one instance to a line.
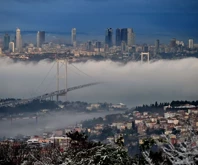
x=132, y=83
x=49, y=122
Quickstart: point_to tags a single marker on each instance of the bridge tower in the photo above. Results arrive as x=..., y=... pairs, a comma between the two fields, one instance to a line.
x=63, y=62
x=145, y=54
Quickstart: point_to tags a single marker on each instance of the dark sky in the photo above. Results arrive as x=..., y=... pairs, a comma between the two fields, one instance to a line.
x=167, y=17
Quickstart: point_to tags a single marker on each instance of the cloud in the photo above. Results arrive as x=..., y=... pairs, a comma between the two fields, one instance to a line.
x=132, y=84
x=49, y=122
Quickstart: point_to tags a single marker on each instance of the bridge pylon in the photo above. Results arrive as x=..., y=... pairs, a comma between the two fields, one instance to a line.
x=58, y=77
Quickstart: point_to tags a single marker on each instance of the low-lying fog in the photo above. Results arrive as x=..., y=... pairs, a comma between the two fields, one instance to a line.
x=132, y=84
x=51, y=121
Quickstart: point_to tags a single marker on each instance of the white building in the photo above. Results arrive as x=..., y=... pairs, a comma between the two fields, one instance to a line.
x=130, y=37
x=190, y=43
x=73, y=37
x=169, y=115
x=11, y=46
x=18, y=40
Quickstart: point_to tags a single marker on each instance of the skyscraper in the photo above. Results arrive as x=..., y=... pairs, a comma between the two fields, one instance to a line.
x=124, y=35
x=89, y=46
x=40, y=39
x=6, y=41
x=109, y=37
x=130, y=37
x=18, y=40
x=98, y=44
x=73, y=37
x=173, y=43
x=157, y=43
x=118, y=37
x=190, y=43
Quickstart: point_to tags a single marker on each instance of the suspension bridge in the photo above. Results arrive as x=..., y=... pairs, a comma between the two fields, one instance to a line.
x=51, y=95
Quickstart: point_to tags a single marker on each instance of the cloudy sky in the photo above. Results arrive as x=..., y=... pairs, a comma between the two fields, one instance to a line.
x=175, y=17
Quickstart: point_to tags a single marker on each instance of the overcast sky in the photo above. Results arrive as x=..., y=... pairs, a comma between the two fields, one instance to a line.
x=175, y=17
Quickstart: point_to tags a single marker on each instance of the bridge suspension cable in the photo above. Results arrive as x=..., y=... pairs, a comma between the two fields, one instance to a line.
x=53, y=78
x=44, y=78
x=81, y=71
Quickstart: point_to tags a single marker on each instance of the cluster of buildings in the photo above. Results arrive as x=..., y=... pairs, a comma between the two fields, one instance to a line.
x=173, y=122
x=133, y=126
x=16, y=45
x=120, y=43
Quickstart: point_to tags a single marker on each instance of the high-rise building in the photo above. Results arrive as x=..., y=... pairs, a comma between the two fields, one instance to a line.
x=89, y=46
x=130, y=37
x=98, y=44
x=118, y=37
x=40, y=38
x=73, y=37
x=109, y=37
x=123, y=46
x=157, y=44
x=190, y=43
x=18, y=40
x=124, y=35
x=6, y=41
x=173, y=43
x=11, y=46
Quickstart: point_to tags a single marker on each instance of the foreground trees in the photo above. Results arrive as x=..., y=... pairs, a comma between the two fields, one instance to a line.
x=80, y=151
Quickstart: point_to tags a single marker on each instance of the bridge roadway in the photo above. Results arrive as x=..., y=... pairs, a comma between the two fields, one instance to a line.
x=45, y=96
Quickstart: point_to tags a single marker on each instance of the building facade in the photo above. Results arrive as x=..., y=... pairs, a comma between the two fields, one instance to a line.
x=18, y=40
x=109, y=37
x=118, y=37
x=73, y=37
x=6, y=41
x=190, y=44
x=130, y=37
x=11, y=47
x=124, y=34
x=40, y=38
x=157, y=44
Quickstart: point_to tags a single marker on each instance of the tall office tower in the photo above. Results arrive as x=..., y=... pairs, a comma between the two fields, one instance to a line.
x=109, y=37
x=124, y=35
x=89, y=46
x=11, y=46
x=73, y=37
x=40, y=38
x=157, y=43
x=130, y=37
x=173, y=43
x=190, y=43
x=18, y=40
x=6, y=41
x=118, y=37
x=98, y=44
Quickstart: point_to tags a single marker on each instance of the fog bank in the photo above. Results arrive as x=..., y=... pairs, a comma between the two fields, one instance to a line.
x=132, y=84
